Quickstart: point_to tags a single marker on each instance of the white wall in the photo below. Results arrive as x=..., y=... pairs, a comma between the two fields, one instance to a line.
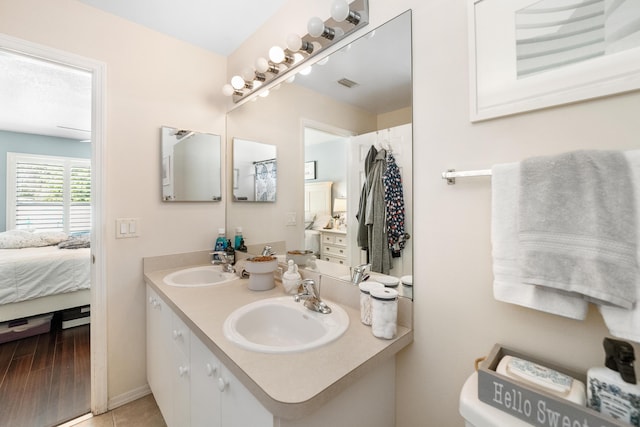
x=456, y=318
x=152, y=80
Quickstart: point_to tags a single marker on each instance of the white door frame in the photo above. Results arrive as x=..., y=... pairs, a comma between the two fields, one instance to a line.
x=99, y=391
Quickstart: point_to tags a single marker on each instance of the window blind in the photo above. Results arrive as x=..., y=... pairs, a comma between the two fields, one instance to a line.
x=50, y=193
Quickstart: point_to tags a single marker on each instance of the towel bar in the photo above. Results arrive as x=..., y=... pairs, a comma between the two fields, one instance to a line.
x=450, y=175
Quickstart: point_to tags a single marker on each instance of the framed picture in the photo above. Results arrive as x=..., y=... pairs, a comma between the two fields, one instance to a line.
x=310, y=170
x=530, y=54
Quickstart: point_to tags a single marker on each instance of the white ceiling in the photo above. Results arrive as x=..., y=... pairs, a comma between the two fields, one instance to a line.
x=216, y=25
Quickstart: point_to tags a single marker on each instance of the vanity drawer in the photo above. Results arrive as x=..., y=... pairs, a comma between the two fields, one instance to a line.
x=334, y=239
x=334, y=259
x=334, y=251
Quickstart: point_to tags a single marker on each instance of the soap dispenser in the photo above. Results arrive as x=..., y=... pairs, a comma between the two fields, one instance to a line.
x=291, y=278
x=612, y=390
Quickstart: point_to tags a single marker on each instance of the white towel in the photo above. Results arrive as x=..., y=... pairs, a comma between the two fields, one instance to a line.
x=508, y=285
x=624, y=323
x=577, y=225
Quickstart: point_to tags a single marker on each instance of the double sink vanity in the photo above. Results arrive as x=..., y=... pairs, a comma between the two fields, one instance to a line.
x=213, y=357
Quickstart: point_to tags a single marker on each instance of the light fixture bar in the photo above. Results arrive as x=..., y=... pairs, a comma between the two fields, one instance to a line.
x=357, y=16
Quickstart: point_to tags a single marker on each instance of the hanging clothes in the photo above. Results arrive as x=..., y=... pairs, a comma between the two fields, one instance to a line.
x=394, y=200
x=379, y=253
x=363, y=232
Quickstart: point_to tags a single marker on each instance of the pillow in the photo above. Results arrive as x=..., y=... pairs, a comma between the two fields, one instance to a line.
x=18, y=239
x=321, y=221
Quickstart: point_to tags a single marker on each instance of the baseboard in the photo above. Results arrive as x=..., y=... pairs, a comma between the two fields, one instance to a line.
x=128, y=397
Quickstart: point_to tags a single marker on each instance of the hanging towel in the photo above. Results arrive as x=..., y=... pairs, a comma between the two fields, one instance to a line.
x=507, y=283
x=577, y=225
x=624, y=323
x=394, y=199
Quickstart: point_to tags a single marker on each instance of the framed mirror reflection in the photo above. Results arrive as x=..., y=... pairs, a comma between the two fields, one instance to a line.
x=191, y=166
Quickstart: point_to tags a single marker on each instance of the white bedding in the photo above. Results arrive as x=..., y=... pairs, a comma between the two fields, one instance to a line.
x=36, y=272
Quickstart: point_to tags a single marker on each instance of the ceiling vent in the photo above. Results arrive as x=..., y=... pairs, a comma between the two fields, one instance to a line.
x=348, y=83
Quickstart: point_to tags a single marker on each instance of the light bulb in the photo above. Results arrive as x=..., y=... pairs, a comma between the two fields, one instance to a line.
x=262, y=65
x=276, y=54
x=227, y=90
x=248, y=74
x=237, y=82
x=315, y=27
x=339, y=10
x=305, y=71
x=294, y=42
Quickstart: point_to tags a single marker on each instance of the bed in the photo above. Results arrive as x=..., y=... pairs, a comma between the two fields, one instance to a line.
x=37, y=280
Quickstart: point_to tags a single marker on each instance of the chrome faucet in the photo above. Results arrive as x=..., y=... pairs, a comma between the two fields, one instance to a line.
x=358, y=273
x=222, y=260
x=267, y=251
x=309, y=293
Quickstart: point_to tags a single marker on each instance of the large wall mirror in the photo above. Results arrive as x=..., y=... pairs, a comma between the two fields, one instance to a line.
x=191, y=165
x=325, y=124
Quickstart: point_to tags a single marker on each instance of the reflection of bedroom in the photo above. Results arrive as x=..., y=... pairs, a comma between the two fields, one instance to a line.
x=45, y=225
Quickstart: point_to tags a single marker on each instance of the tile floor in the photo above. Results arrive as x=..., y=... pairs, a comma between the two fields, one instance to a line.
x=143, y=412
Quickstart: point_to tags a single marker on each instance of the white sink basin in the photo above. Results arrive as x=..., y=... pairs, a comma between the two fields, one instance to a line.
x=199, y=276
x=280, y=325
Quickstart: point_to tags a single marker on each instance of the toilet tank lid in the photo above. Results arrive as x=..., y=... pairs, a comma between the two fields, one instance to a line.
x=478, y=413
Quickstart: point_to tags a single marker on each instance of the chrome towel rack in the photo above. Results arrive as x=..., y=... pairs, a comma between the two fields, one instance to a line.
x=450, y=175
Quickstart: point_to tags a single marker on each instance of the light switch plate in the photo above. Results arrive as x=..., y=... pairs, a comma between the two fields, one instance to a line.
x=290, y=218
x=127, y=228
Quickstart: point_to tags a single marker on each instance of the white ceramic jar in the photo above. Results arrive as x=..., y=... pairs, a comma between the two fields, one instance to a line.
x=365, y=300
x=384, y=313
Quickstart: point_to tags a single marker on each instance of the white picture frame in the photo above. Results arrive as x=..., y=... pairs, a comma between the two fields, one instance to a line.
x=496, y=91
x=310, y=170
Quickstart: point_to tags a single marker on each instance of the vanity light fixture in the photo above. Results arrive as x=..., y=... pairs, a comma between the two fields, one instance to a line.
x=277, y=55
x=264, y=66
x=316, y=28
x=345, y=19
x=340, y=12
x=296, y=44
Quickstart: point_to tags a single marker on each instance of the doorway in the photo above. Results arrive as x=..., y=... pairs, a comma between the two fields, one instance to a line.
x=77, y=337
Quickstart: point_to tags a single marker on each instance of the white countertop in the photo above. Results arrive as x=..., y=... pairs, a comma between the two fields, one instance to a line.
x=288, y=385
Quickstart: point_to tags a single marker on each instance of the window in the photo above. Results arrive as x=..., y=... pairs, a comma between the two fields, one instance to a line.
x=48, y=193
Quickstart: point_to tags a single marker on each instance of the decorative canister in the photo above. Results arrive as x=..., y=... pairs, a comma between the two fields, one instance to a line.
x=365, y=300
x=384, y=313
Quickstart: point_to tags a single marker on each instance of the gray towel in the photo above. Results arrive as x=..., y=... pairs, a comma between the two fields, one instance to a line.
x=577, y=225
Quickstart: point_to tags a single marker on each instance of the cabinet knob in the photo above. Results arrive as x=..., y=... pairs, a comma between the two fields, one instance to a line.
x=177, y=334
x=211, y=369
x=222, y=384
x=183, y=370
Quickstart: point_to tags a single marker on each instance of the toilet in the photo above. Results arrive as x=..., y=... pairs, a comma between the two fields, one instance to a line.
x=480, y=414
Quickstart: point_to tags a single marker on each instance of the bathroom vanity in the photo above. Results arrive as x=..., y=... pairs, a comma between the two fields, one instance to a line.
x=333, y=246
x=199, y=377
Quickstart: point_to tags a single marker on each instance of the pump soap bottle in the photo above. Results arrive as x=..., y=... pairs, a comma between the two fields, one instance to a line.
x=613, y=390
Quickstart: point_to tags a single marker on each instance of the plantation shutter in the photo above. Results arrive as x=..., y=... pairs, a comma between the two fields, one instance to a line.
x=49, y=193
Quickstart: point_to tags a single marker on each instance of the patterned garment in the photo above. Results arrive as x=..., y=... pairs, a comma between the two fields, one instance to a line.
x=394, y=199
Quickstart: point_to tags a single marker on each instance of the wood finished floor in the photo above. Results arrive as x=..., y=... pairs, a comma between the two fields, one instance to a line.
x=45, y=379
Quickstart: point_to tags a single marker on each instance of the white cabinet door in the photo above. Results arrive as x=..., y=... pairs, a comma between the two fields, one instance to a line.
x=205, y=396
x=158, y=354
x=180, y=373
x=239, y=407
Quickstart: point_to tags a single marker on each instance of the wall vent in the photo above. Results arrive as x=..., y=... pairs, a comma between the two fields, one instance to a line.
x=348, y=83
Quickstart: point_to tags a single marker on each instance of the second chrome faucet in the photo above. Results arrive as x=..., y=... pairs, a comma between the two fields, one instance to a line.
x=311, y=296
